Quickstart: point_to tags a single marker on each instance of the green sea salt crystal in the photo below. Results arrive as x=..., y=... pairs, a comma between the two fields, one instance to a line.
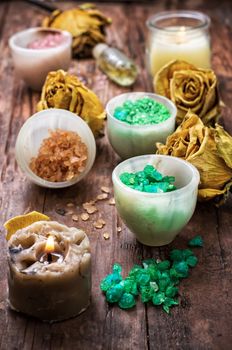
x=146, y=293
x=158, y=298
x=187, y=253
x=143, y=278
x=176, y=255
x=196, y=241
x=163, y=265
x=171, y=291
x=181, y=268
x=148, y=180
x=114, y=293
x=127, y=301
x=144, y=111
x=192, y=260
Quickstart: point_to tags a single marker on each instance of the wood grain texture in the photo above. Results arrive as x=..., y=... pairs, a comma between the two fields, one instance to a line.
x=203, y=320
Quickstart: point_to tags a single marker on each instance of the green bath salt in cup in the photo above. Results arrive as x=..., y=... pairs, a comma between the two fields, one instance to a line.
x=137, y=120
x=155, y=196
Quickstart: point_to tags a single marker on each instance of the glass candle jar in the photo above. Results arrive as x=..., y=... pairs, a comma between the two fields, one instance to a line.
x=180, y=35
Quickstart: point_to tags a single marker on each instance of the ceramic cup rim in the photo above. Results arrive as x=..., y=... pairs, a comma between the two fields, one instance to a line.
x=172, y=110
x=17, y=48
x=25, y=166
x=192, y=183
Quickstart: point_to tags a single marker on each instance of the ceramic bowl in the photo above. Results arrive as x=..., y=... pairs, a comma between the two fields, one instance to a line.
x=33, y=65
x=37, y=128
x=156, y=218
x=133, y=140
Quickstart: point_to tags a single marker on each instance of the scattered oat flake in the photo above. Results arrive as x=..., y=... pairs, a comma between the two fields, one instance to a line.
x=112, y=201
x=102, y=196
x=75, y=217
x=85, y=216
x=106, y=235
x=70, y=205
x=105, y=189
x=99, y=223
x=119, y=229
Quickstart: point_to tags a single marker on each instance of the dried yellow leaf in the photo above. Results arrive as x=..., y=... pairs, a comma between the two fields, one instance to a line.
x=65, y=91
x=18, y=222
x=191, y=89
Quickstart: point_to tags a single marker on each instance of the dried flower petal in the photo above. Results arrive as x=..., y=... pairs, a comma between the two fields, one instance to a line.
x=63, y=90
x=191, y=89
x=209, y=149
x=86, y=24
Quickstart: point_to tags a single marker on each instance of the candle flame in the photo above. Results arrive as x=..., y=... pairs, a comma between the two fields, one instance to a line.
x=50, y=245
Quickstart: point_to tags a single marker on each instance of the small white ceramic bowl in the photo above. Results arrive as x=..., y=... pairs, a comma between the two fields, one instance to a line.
x=33, y=65
x=156, y=218
x=133, y=140
x=37, y=128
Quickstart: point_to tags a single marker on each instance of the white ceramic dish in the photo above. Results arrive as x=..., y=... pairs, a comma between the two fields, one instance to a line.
x=132, y=140
x=156, y=218
x=37, y=128
x=33, y=65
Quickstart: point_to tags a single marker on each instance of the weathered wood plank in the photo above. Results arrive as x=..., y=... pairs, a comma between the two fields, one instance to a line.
x=202, y=321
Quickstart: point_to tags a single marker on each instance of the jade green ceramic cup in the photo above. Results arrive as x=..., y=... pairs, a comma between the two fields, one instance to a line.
x=156, y=218
x=134, y=140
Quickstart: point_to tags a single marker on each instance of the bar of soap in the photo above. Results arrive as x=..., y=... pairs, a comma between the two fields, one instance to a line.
x=55, y=290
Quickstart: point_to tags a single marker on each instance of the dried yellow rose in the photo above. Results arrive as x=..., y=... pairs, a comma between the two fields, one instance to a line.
x=86, y=24
x=189, y=88
x=209, y=149
x=63, y=90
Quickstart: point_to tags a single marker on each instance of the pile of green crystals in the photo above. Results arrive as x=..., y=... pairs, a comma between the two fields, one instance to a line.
x=148, y=180
x=144, y=111
x=156, y=281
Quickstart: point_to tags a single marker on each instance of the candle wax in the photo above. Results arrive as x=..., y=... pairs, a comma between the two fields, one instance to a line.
x=166, y=47
x=49, y=289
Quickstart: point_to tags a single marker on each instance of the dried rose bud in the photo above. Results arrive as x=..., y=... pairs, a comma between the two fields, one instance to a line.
x=191, y=89
x=208, y=149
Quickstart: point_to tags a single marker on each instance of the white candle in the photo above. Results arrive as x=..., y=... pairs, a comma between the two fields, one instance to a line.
x=190, y=43
x=49, y=271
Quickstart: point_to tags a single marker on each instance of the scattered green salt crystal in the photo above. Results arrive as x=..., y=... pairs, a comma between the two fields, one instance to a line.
x=158, y=298
x=155, y=281
x=196, y=241
x=192, y=260
x=114, y=293
x=181, y=268
x=171, y=291
x=127, y=301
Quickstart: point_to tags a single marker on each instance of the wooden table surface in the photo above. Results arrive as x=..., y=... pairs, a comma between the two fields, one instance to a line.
x=203, y=319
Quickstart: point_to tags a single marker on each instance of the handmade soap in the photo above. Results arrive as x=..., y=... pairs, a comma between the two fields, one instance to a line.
x=50, y=282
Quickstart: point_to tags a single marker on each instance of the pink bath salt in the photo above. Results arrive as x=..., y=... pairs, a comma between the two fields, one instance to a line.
x=48, y=41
